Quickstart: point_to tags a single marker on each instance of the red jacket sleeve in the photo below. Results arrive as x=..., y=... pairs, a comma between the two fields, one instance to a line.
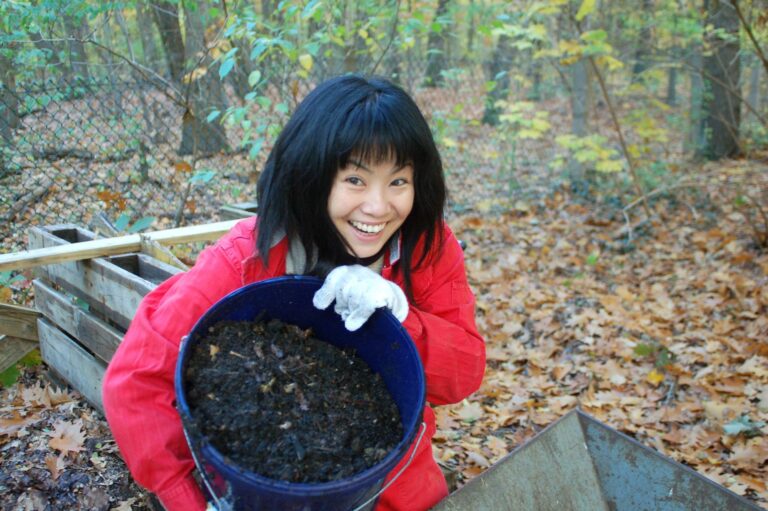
x=138, y=392
x=442, y=325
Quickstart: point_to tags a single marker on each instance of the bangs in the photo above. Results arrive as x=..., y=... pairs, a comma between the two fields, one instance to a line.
x=371, y=134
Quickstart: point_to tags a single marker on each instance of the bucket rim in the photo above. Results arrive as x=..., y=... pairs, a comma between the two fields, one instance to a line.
x=366, y=477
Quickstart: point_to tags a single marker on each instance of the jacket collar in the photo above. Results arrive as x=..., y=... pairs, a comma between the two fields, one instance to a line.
x=296, y=258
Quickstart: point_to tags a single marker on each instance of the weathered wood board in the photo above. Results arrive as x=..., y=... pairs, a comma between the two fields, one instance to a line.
x=12, y=349
x=19, y=322
x=72, y=362
x=239, y=210
x=87, y=305
x=108, y=288
x=92, y=332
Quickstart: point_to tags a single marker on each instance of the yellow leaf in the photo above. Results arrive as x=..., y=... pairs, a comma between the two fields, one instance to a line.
x=196, y=74
x=587, y=6
x=609, y=166
x=182, y=166
x=449, y=142
x=611, y=62
x=306, y=61
x=655, y=377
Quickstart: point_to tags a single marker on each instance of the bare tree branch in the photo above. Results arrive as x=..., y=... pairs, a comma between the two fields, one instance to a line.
x=748, y=29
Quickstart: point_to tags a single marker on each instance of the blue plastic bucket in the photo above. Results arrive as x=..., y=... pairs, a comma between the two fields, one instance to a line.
x=382, y=342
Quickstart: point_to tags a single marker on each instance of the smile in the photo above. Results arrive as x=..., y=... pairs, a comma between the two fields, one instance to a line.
x=368, y=228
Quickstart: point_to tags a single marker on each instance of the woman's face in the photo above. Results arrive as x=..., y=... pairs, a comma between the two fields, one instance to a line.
x=369, y=202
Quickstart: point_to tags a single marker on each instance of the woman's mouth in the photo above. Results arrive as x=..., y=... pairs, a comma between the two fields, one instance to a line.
x=368, y=228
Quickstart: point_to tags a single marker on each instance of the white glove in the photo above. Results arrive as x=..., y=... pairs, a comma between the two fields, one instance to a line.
x=358, y=292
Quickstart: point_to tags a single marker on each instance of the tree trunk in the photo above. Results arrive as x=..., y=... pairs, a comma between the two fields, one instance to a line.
x=436, y=50
x=9, y=108
x=722, y=74
x=166, y=16
x=642, y=53
x=242, y=70
x=149, y=50
x=206, y=92
x=754, y=85
x=470, y=32
x=51, y=56
x=695, y=139
x=77, y=30
x=499, y=73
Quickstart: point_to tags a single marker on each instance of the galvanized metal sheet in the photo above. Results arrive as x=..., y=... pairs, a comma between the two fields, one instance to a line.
x=580, y=464
x=553, y=472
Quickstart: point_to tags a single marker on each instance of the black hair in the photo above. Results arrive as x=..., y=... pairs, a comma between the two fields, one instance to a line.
x=350, y=116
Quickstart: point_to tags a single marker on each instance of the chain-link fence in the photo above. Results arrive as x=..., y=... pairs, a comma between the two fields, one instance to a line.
x=73, y=150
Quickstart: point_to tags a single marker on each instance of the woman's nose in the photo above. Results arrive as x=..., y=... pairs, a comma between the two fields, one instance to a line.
x=375, y=203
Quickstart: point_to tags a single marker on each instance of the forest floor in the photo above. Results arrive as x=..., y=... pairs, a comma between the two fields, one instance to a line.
x=658, y=328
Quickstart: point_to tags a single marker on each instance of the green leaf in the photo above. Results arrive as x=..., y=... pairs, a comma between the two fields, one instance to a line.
x=587, y=6
x=141, y=224
x=202, y=176
x=212, y=116
x=743, y=425
x=254, y=78
x=225, y=68
x=122, y=221
x=593, y=258
x=644, y=350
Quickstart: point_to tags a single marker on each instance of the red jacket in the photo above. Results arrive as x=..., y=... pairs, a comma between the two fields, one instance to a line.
x=138, y=390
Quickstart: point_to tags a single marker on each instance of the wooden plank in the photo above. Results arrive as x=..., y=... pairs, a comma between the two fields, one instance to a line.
x=111, y=246
x=12, y=349
x=145, y=266
x=93, y=333
x=78, y=367
x=108, y=289
x=239, y=210
x=17, y=321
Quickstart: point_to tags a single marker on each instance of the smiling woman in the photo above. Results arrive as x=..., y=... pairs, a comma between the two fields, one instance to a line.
x=353, y=192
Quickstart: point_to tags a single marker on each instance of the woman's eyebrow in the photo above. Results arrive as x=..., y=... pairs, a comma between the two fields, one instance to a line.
x=358, y=164
x=394, y=170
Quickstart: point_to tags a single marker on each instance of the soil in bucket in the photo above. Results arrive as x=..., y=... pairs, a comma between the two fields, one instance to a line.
x=283, y=404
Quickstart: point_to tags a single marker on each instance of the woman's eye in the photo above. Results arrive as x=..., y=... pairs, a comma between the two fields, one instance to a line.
x=354, y=180
x=400, y=182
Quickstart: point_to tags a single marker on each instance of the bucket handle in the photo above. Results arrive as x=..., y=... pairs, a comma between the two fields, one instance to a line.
x=383, y=488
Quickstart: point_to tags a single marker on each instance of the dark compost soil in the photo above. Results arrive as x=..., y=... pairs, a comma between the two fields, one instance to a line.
x=283, y=404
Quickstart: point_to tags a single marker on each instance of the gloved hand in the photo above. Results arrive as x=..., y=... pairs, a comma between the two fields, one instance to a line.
x=358, y=292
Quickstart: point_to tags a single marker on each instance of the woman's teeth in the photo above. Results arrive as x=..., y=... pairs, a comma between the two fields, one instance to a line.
x=370, y=229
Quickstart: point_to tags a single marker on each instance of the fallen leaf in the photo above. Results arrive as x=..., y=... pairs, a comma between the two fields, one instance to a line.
x=67, y=436
x=655, y=377
x=478, y=459
x=470, y=412
x=124, y=505
x=55, y=464
x=11, y=425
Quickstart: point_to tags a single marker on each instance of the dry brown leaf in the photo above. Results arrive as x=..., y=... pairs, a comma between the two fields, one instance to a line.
x=67, y=436
x=11, y=425
x=36, y=396
x=478, y=459
x=125, y=505
x=55, y=464
x=752, y=453
x=469, y=412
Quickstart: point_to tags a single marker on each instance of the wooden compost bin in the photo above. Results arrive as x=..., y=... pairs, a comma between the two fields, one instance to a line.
x=87, y=306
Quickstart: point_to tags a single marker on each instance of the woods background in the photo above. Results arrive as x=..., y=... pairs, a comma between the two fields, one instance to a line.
x=156, y=113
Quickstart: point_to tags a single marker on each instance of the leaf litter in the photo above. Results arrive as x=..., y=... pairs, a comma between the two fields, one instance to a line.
x=659, y=331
